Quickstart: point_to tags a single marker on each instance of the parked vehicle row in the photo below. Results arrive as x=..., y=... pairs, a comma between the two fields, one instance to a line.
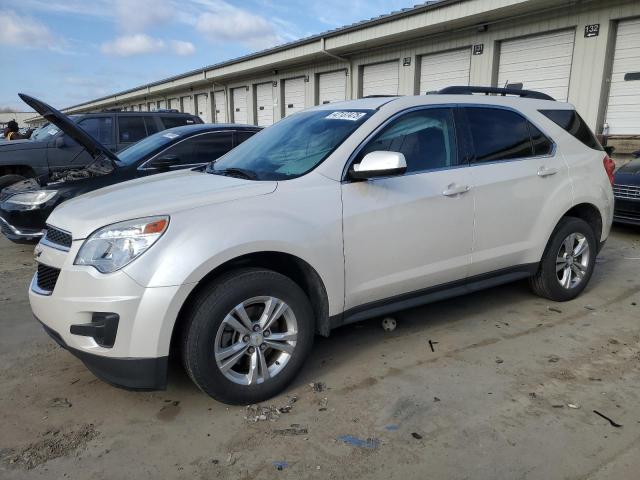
x=333, y=215
x=26, y=205
x=50, y=149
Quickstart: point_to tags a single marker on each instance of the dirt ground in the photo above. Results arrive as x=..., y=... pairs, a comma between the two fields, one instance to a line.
x=508, y=392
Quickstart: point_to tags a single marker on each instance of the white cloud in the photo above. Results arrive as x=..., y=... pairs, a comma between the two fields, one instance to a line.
x=231, y=24
x=24, y=32
x=181, y=47
x=138, y=15
x=136, y=44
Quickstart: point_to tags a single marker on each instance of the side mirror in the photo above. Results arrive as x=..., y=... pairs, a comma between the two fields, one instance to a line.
x=164, y=163
x=59, y=143
x=379, y=164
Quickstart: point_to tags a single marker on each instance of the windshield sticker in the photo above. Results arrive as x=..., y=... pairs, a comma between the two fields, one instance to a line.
x=351, y=116
x=53, y=131
x=171, y=136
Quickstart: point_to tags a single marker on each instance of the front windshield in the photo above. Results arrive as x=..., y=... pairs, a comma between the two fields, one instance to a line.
x=291, y=147
x=45, y=132
x=147, y=146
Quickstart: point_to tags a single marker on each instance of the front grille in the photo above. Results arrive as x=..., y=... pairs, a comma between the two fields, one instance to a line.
x=47, y=277
x=58, y=237
x=626, y=191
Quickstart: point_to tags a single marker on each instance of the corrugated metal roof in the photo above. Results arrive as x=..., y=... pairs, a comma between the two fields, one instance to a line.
x=328, y=33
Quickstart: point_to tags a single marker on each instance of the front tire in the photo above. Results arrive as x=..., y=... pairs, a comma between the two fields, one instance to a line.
x=568, y=261
x=247, y=335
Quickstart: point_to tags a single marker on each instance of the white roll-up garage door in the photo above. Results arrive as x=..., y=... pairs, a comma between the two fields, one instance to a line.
x=174, y=104
x=220, y=107
x=332, y=87
x=541, y=62
x=293, y=95
x=162, y=104
x=264, y=104
x=239, y=96
x=187, y=104
x=440, y=70
x=202, y=107
x=380, y=79
x=623, y=107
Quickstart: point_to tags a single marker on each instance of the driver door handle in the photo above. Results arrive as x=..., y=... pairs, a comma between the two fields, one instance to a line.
x=454, y=189
x=545, y=172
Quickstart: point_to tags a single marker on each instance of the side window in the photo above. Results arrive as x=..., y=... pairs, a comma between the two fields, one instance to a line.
x=541, y=144
x=498, y=134
x=425, y=137
x=152, y=126
x=100, y=128
x=184, y=150
x=212, y=146
x=241, y=136
x=131, y=129
x=170, y=122
x=575, y=125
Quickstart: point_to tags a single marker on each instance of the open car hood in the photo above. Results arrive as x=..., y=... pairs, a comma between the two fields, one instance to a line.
x=64, y=123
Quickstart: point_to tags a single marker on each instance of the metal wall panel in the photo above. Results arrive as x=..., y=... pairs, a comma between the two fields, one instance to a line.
x=444, y=69
x=264, y=104
x=380, y=79
x=623, y=105
x=332, y=87
x=541, y=62
x=187, y=104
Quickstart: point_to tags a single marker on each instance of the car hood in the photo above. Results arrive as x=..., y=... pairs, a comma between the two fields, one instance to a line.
x=64, y=123
x=162, y=194
x=631, y=168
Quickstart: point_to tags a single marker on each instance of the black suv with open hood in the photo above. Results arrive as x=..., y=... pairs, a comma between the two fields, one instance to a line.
x=25, y=206
x=50, y=149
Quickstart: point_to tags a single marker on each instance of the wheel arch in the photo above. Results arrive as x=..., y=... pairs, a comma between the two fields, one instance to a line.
x=293, y=267
x=590, y=214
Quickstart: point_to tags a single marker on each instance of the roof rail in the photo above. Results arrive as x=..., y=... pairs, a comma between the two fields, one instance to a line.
x=464, y=90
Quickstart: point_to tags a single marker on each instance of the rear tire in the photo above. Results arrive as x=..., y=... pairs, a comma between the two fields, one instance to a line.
x=8, y=180
x=235, y=352
x=568, y=261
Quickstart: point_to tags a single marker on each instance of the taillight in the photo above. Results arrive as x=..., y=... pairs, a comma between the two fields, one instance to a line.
x=609, y=166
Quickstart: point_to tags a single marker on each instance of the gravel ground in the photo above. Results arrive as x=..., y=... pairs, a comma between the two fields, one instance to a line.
x=509, y=391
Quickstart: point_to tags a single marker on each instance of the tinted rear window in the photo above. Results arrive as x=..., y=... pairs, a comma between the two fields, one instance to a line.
x=498, y=134
x=170, y=122
x=575, y=125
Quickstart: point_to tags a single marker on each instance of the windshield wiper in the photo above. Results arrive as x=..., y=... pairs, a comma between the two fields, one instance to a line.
x=236, y=172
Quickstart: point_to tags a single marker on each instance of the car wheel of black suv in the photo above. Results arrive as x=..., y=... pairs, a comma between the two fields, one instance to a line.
x=568, y=261
x=7, y=180
x=247, y=335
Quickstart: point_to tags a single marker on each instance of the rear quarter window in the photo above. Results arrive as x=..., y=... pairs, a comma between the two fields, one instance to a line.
x=571, y=122
x=170, y=122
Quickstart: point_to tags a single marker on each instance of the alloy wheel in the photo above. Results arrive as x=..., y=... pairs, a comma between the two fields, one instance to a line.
x=572, y=260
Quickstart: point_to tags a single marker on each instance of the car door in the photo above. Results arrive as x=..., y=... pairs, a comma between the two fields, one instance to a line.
x=516, y=171
x=67, y=153
x=406, y=233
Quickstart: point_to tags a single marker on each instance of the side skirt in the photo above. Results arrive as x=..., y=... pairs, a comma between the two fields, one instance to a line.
x=432, y=294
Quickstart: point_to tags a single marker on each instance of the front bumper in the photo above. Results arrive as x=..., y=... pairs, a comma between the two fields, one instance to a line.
x=19, y=234
x=128, y=373
x=627, y=211
x=135, y=354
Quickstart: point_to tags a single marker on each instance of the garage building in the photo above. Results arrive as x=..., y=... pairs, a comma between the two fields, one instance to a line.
x=586, y=52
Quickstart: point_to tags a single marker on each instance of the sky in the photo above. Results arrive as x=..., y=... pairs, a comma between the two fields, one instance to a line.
x=66, y=52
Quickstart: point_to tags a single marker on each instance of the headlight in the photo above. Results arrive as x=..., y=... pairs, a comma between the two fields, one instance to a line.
x=29, y=200
x=114, y=246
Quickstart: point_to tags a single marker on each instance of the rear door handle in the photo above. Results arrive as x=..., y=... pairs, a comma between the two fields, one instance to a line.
x=453, y=190
x=545, y=172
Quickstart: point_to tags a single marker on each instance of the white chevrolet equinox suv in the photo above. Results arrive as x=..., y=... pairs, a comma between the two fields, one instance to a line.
x=333, y=215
